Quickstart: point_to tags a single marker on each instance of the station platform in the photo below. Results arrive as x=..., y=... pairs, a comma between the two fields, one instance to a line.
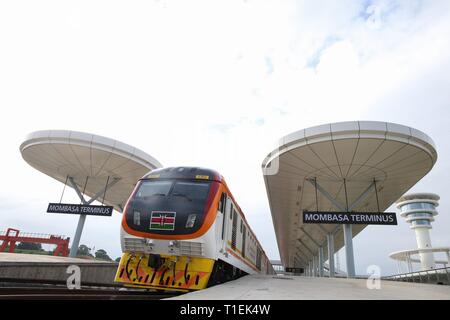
x=22, y=257
x=260, y=287
x=53, y=269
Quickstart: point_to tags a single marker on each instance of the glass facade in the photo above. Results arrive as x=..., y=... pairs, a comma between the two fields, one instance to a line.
x=417, y=205
x=420, y=215
x=420, y=223
x=418, y=218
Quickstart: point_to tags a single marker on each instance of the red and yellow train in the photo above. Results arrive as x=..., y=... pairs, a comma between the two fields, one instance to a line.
x=183, y=230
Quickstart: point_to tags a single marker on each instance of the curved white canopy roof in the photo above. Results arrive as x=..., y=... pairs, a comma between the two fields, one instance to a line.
x=60, y=153
x=404, y=255
x=396, y=156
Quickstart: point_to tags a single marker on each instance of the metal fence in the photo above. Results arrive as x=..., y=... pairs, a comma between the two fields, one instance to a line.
x=432, y=276
x=32, y=235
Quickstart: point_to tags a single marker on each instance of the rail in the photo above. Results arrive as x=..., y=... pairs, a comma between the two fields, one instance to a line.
x=55, y=293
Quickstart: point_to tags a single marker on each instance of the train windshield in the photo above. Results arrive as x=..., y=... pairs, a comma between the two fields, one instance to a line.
x=193, y=191
x=168, y=206
x=154, y=188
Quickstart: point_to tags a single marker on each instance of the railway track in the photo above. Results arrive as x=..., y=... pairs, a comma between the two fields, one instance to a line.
x=58, y=293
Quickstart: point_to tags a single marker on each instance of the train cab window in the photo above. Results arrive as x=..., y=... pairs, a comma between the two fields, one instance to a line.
x=182, y=202
x=191, y=190
x=154, y=188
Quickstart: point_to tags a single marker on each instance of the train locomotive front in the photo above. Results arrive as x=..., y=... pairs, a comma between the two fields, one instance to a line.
x=180, y=232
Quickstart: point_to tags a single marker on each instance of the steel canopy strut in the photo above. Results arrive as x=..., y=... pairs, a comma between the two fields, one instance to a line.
x=82, y=219
x=348, y=237
x=64, y=189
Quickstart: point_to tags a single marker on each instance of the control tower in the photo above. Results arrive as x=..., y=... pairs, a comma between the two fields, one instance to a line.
x=419, y=210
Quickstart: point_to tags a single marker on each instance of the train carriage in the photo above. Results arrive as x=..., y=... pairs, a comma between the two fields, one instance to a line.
x=183, y=230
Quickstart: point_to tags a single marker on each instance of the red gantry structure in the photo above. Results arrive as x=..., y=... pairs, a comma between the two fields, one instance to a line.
x=12, y=236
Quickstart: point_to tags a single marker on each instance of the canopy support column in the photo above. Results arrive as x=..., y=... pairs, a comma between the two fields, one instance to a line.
x=348, y=236
x=82, y=219
x=330, y=246
x=320, y=261
x=409, y=263
x=349, y=257
x=316, y=273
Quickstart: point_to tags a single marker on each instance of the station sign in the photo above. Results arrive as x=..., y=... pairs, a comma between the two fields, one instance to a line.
x=383, y=218
x=90, y=210
x=295, y=270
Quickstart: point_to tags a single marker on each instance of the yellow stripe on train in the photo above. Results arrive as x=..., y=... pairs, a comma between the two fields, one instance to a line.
x=176, y=273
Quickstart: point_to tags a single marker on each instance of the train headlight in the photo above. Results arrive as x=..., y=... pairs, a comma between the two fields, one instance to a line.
x=191, y=220
x=173, y=243
x=137, y=218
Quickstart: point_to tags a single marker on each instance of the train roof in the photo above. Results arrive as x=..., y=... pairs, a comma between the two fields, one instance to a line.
x=184, y=173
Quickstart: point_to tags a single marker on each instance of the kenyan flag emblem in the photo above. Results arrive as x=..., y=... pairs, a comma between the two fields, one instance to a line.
x=162, y=220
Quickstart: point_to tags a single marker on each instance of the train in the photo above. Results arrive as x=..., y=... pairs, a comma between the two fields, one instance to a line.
x=183, y=230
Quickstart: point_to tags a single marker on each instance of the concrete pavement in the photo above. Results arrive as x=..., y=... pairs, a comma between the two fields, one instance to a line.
x=305, y=288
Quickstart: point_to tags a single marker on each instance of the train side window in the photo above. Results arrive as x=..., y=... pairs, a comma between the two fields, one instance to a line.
x=234, y=230
x=223, y=200
x=241, y=227
x=243, y=241
x=258, y=258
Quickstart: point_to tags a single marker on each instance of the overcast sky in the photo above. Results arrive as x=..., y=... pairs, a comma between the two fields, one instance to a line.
x=216, y=84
